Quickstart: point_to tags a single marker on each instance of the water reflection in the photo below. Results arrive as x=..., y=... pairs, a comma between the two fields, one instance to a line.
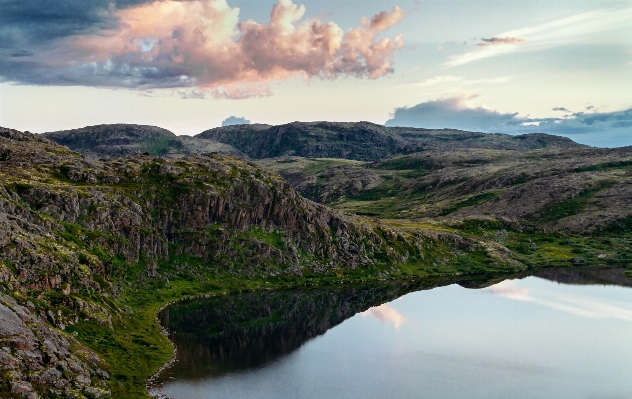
x=510, y=339
x=225, y=334
x=386, y=314
x=580, y=305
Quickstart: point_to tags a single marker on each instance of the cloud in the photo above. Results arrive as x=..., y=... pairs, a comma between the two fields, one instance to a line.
x=386, y=314
x=560, y=109
x=499, y=41
x=202, y=44
x=455, y=113
x=437, y=80
x=579, y=305
x=602, y=129
x=234, y=120
x=548, y=35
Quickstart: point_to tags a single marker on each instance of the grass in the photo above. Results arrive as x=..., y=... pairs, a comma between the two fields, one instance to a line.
x=604, y=166
x=572, y=206
x=157, y=147
x=477, y=199
x=405, y=163
x=319, y=164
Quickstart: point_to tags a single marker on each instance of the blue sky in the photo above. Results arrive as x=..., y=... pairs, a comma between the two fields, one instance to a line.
x=187, y=66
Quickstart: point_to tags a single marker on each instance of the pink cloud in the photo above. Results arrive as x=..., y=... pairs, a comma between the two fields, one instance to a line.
x=386, y=314
x=201, y=43
x=498, y=41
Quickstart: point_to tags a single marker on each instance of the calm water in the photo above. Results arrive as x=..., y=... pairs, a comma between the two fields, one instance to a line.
x=523, y=338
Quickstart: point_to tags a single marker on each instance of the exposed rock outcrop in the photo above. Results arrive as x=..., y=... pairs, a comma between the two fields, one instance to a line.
x=36, y=359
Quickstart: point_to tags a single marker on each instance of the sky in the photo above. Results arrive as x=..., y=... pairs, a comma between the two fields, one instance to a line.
x=559, y=67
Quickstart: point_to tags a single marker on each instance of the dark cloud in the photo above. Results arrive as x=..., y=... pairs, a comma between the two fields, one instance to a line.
x=30, y=27
x=234, y=120
x=611, y=129
x=451, y=113
x=498, y=41
x=560, y=109
x=33, y=22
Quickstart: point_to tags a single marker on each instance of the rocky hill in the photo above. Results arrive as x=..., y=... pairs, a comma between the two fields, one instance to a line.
x=119, y=140
x=365, y=141
x=361, y=141
x=573, y=189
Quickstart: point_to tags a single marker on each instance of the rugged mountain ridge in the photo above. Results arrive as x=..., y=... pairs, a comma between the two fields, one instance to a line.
x=363, y=141
x=119, y=140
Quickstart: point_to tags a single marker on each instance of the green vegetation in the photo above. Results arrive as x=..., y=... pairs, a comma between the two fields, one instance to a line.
x=571, y=206
x=157, y=147
x=477, y=199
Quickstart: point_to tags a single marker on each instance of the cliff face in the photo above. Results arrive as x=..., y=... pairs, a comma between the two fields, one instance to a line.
x=144, y=205
x=362, y=141
x=74, y=231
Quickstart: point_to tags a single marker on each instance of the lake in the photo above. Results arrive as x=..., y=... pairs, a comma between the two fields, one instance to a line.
x=563, y=333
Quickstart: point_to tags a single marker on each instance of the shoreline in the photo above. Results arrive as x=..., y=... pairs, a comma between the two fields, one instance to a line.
x=153, y=385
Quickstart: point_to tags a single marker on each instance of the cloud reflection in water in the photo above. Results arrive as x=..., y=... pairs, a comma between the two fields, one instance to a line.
x=385, y=313
x=580, y=305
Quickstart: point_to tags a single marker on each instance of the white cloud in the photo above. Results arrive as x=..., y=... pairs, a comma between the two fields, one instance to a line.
x=548, y=35
x=437, y=80
x=579, y=305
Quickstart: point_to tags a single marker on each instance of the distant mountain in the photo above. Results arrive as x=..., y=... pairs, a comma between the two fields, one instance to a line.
x=362, y=141
x=365, y=141
x=118, y=140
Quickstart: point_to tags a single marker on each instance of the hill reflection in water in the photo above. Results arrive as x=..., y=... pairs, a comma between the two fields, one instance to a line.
x=234, y=333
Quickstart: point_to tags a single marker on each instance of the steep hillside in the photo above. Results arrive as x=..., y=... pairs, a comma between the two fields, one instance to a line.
x=117, y=140
x=362, y=141
x=90, y=249
x=549, y=205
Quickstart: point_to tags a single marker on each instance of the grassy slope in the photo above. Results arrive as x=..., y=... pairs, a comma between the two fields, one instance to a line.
x=466, y=191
